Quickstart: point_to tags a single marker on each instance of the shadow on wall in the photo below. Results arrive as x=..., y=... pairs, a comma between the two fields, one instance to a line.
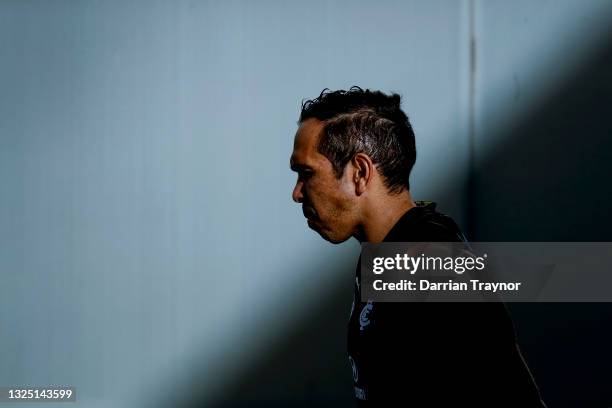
x=550, y=181
x=308, y=367
x=547, y=181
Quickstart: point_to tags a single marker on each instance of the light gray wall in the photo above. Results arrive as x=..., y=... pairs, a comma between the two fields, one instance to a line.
x=147, y=223
x=146, y=227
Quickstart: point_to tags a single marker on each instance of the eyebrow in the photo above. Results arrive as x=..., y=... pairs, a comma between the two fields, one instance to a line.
x=297, y=167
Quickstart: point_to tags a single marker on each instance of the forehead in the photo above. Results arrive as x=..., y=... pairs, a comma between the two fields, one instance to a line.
x=305, y=143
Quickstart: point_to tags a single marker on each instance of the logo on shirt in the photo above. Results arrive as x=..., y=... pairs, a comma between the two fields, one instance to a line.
x=364, y=317
x=354, y=368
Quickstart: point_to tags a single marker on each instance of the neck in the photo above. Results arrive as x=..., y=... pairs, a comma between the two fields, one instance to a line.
x=381, y=217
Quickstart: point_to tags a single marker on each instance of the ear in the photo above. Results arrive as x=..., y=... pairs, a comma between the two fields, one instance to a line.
x=363, y=172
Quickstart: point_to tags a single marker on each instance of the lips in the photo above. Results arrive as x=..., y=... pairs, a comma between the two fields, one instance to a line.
x=309, y=212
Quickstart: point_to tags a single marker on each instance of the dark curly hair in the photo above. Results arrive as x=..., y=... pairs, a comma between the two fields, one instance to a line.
x=365, y=121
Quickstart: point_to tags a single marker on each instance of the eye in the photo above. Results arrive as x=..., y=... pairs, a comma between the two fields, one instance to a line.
x=305, y=174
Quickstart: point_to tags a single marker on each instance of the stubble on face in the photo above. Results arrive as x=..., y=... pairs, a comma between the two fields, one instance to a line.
x=327, y=202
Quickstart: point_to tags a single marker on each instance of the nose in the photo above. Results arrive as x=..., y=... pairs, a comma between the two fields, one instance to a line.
x=297, y=195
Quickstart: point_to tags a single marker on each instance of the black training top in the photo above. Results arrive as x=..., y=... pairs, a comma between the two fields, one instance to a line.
x=435, y=354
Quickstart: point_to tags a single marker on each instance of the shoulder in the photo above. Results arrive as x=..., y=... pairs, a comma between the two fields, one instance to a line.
x=423, y=223
x=437, y=227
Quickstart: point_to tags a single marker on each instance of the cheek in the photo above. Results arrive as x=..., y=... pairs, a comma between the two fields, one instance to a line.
x=331, y=198
x=340, y=206
x=345, y=194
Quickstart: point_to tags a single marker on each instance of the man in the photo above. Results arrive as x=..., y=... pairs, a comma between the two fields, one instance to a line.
x=353, y=153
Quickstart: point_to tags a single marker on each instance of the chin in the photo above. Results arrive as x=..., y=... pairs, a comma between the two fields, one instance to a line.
x=334, y=239
x=326, y=234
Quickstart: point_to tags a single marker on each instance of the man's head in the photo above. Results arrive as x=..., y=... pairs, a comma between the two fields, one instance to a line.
x=352, y=147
